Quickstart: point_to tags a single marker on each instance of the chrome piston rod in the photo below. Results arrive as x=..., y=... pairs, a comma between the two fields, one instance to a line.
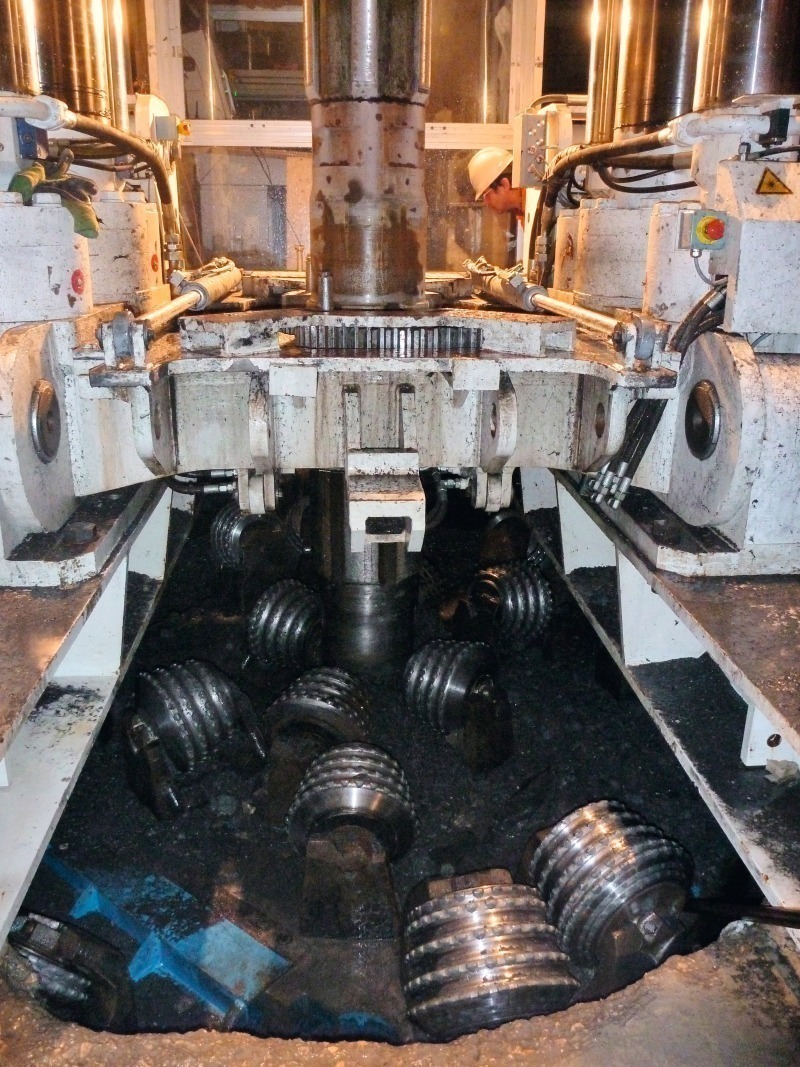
x=510, y=287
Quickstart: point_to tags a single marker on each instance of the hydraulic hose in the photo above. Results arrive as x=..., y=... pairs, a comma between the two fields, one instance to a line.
x=134, y=146
x=586, y=155
x=675, y=161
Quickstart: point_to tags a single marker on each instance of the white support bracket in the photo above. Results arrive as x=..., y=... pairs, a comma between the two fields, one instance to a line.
x=651, y=631
x=583, y=542
x=148, y=554
x=762, y=742
x=538, y=488
x=385, y=498
x=97, y=650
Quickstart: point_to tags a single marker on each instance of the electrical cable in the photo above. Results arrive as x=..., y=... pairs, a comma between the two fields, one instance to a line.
x=632, y=179
x=265, y=167
x=189, y=238
x=774, y=151
x=704, y=277
x=568, y=197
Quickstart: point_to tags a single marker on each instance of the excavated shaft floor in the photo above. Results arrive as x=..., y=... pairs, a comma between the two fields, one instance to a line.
x=734, y=1002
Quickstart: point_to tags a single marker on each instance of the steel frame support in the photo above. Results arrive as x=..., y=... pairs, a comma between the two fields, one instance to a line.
x=165, y=52
x=41, y=765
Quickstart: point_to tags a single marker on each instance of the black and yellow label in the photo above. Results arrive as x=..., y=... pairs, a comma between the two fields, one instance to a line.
x=772, y=185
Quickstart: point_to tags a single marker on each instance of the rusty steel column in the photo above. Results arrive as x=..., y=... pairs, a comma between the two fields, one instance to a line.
x=367, y=76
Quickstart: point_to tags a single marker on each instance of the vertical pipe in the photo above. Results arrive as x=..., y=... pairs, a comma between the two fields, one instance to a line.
x=658, y=62
x=485, y=64
x=747, y=47
x=118, y=63
x=603, y=70
x=19, y=68
x=73, y=55
x=367, y=68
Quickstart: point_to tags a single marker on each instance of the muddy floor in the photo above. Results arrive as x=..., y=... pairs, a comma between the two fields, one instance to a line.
x=734, y=1004
x=579, y=736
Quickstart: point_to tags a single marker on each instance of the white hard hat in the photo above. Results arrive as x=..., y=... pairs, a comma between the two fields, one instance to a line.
x=486, y=166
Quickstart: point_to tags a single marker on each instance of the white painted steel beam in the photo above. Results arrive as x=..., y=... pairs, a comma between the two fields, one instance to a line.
x=44, y=760
x=295, y=134
x=583, y=542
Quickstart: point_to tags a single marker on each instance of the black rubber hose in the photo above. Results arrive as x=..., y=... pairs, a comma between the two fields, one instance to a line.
x=628, y=185
x=708, y=305
x=565, y=164
x=588, y=155
x=435, y=514
x=648, y=432
x=709, y=323
x=637, y=418
x=759, y=913
x=134, y=146
x=199, y=485
x=676, y=161
x=93, y=149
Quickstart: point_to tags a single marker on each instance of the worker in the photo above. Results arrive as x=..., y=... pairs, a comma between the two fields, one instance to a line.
x=490, y=175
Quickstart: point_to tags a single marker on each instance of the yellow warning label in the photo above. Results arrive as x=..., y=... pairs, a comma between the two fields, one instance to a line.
x=771, y=184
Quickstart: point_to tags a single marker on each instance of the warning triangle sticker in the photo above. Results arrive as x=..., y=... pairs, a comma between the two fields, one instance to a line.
x=771, y=184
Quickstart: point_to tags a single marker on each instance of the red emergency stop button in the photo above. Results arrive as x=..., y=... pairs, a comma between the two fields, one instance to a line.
x=711, y=229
